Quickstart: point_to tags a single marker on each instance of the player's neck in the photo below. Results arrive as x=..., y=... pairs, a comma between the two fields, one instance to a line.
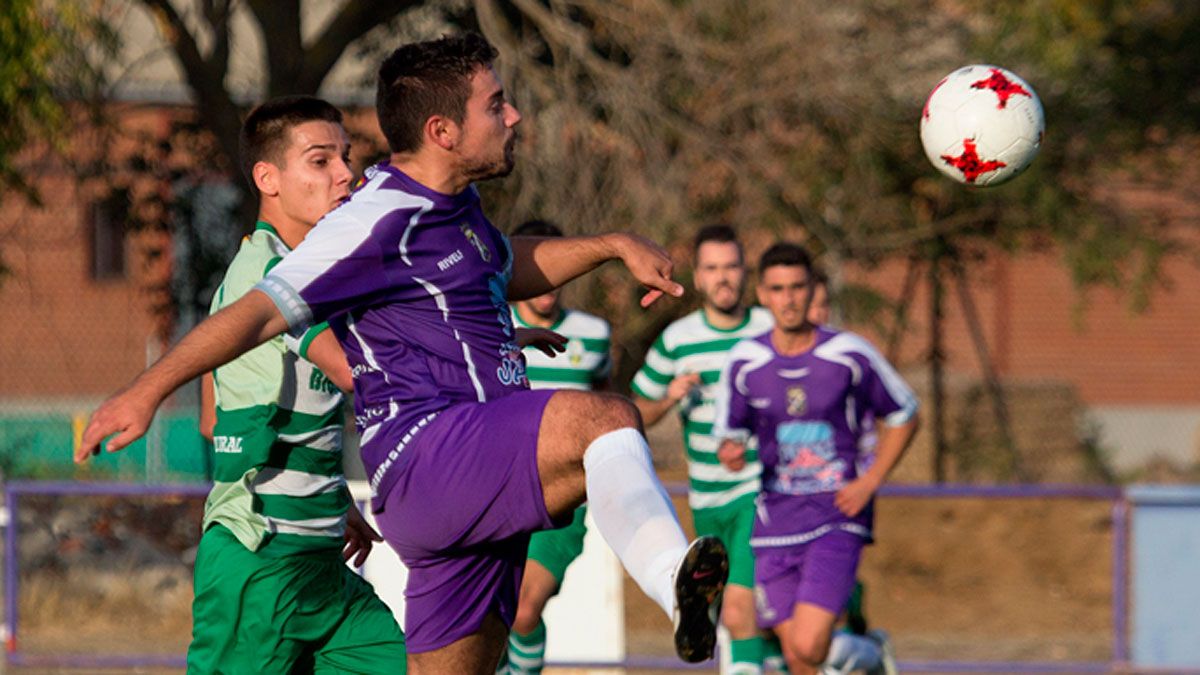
x=429, y=170
x=289, y=230
x=531, y=318
x=722, y=320
x=794, y=342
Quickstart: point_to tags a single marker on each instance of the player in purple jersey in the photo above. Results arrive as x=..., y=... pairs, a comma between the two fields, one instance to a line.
x=464, y=460
x=803, y=391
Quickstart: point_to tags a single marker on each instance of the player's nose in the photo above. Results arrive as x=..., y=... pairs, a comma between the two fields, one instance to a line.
x=344, y=174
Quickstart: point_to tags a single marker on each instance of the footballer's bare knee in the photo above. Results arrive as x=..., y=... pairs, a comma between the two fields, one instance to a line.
x=613, y=412
x=589, y=415
x=572, y=421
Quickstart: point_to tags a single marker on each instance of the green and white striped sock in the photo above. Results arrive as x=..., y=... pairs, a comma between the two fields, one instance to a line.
x=527, y=653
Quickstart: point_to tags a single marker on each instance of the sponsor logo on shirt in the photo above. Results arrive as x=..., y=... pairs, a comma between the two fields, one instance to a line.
x=512, y=366
x=227, y=444
x=808, y=462
x=476, y=242
x=318, y=382
x=369, y=415
x=362, y=368
x=450, y=260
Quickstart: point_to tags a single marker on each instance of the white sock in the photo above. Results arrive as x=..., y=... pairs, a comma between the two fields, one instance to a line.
x=634, y=513
x=724, y=657
x=849, y=652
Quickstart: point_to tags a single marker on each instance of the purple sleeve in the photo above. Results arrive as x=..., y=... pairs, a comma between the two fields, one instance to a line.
x=883, y=391
x=338, y=267
x=733, y=412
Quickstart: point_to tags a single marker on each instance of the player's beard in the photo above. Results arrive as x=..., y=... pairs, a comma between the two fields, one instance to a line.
x=495, y=167
x=729, y=305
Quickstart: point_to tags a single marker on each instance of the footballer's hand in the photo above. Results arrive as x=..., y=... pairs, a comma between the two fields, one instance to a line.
x=545, y=340
x=681, y=386
x=360, y=537
x=853, y=498
x=650, y=264
x=127, y=414
x=732, y=454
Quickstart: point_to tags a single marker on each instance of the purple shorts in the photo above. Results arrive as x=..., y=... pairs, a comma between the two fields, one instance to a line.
x=821, y=573
x=460, y=514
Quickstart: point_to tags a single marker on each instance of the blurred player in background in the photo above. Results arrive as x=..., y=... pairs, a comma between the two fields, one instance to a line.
x=681, y=372
x=803, y=390
x=820, y=310
x=584, y=365
x=855, y=646
x=272, y=591
x=464, y=460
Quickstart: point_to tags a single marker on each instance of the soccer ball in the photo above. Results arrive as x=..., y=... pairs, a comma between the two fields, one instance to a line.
x=982, y=125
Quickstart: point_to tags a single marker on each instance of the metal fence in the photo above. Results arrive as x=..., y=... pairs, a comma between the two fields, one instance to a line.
x=964, y=578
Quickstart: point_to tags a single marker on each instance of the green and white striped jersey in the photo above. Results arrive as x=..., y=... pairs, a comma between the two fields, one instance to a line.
x=586, y=361
x=692, y=345
x=278, y=483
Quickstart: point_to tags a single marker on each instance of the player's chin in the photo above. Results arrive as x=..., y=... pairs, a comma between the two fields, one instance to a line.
x=498, y=170
x=725, y=301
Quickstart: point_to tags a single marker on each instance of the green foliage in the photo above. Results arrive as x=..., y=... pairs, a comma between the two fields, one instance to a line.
x=1121, y=83
x=27, y=104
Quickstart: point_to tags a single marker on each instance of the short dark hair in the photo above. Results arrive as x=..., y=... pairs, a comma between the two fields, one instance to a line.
x=785, y=254
x=264, y=133
x=537, y=228
x=423, y=79
x=819, y=277
x=717, y=232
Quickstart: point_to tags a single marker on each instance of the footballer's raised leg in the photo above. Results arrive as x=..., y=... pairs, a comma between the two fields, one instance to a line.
x=592, y=443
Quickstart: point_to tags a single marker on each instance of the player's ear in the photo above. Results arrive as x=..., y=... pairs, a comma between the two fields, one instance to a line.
x=266, y=178
x=758, y=293
x=442, y=132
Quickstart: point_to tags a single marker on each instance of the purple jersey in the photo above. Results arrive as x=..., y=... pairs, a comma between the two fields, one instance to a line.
x=414, y=284
x=807, y=412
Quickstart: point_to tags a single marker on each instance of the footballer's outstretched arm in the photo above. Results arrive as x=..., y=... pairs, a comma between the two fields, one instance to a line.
x=541, y=264
x=224, y=336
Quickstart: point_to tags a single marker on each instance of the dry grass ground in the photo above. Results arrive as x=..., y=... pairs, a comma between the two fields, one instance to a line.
x=949, y=579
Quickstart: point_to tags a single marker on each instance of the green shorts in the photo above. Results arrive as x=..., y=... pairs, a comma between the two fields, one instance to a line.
x=306, y=613
x=557, y=549
x=732, y=524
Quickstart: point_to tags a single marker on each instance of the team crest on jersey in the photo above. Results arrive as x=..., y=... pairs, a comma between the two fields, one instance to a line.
x=797, y=401
x=476, y=242
x=574, y=352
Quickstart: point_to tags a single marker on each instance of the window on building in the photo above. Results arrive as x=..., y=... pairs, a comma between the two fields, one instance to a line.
x=107, y=220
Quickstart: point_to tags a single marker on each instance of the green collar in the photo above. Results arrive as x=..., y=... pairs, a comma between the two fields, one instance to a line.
x=267, y=227
x=745, y=320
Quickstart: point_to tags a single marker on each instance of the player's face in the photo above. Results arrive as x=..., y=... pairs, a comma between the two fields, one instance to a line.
x=720, y=275
x=489, y=132
x=785, y=292
x=315, y=173
x=818, y=310
x=544, y=306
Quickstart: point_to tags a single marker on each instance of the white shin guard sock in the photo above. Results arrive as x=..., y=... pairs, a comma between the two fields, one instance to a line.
x=634, y=513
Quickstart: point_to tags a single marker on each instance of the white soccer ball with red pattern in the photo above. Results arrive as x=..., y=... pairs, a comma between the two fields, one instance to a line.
x=982, y=125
